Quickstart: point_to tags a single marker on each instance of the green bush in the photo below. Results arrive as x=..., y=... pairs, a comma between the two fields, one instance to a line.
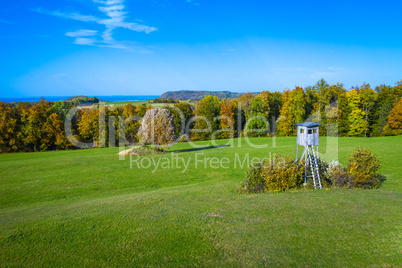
x=322, y=168
x=363, y=169
x=254, y=182
x=337, y=175
x=282, y=173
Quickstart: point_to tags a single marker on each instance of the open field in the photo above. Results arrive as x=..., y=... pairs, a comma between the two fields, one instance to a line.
x=134, y=103
x=88, y=208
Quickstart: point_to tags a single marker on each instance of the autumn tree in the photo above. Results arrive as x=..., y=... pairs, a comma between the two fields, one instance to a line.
x=394, y=125
x=386, y=99
x=293, y=111
x=275, y=105
x=61, y=108
x=8, y=128
x=368, y=100
x=133, y=125
x=245, y=103
x=284, y=122
x=343, y=113
x=267, y=99
x=257, y=123
x=182, y=113
x=207, y=111
x=55, y=137
x=320, y=102
x=227, y=120
x=33, y=131
x=141, y=109
x=157, y=128
x=88, y=125
x=357, y=124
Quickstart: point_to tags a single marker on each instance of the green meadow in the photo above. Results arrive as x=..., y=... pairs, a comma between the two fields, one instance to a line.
x=134, y=103
x=87, y=208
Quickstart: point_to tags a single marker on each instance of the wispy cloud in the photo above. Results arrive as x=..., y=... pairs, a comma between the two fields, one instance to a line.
x=115, y=17
x=335, y=68
x=191, y=1
x=73, y=16
x=82, y=33
x=228, y=51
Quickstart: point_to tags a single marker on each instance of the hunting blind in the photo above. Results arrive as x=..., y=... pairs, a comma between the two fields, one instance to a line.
x=308, y=137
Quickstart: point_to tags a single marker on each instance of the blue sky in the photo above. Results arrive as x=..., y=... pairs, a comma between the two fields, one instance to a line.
x=138, y=47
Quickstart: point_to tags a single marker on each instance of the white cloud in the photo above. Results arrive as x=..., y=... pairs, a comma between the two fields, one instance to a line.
x=109, y=2
x=82, y=33
x=84, y=41
x=73, y=16
x=115, y=18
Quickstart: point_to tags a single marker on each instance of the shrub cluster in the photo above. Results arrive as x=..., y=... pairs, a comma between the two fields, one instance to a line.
x=254, y=182
x=282, y=173
x=337, y=175
x=363, y=169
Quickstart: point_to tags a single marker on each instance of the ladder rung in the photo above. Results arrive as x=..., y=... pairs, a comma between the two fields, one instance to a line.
x=312, y=162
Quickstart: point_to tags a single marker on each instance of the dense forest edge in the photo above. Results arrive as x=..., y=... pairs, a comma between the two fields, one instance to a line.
x=359, y=112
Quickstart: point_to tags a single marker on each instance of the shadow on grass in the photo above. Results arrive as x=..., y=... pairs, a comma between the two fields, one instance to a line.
x=197, y=149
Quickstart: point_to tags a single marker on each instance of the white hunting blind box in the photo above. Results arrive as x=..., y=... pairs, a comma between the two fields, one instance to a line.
x=308, y=136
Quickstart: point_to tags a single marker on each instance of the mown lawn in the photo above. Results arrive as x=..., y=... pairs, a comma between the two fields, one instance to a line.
x=88, y=208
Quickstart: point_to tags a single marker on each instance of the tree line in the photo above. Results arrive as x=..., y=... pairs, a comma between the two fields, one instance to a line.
x=359, y=112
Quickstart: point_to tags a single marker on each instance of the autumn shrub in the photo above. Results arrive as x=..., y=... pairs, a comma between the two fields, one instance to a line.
x=322, y=168
x=363, y=169
x=282, y=173
x=337, y=175
x=254, y=182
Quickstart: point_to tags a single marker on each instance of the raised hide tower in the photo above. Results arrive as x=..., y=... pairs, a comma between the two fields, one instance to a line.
x=308, y=137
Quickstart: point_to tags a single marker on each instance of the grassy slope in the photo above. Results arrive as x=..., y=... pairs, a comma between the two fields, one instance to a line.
x=136, y=103
x=88, y=208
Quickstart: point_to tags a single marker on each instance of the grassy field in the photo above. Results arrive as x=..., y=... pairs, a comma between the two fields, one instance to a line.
x=134, y=103
x=88, y=208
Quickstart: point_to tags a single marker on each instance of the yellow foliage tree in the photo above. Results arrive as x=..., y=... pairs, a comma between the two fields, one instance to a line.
x=357, y=124
x=8, y=129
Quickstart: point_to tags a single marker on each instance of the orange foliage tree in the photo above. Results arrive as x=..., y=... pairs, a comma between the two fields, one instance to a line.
x=394, y=125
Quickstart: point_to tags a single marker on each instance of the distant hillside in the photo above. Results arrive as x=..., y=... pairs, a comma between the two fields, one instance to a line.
x=197, y=95
x=82, y=99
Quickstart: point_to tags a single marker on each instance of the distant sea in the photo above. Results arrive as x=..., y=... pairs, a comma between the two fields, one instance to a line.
x=103, y=98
